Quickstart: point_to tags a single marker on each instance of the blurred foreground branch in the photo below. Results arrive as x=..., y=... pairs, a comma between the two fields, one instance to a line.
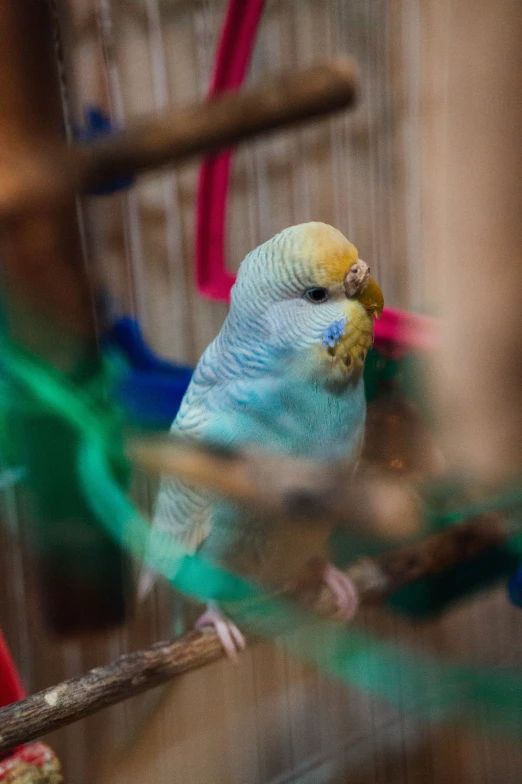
x=371, y=502
x=472, y=232
x=133, y=673
x=38, y=177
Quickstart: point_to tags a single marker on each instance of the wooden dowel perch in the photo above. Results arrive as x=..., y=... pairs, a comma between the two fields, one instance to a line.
x=133, y=673
x=51, y=174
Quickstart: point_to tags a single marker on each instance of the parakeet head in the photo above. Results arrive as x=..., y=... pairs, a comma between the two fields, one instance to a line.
x=306, y=290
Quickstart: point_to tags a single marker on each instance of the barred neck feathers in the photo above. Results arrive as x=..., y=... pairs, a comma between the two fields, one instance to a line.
x=241, y=348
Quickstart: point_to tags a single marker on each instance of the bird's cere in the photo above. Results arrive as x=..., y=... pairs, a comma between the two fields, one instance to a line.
x=356, y=278
x=333, y=334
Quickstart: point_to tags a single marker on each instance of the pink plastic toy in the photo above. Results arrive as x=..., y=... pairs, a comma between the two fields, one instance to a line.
x=11, y=689
x=233, y=57
x=397, y=331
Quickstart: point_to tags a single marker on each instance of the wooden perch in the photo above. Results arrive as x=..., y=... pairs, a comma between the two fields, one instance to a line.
x=371, y=503
x=130, y=674
x=41, y=177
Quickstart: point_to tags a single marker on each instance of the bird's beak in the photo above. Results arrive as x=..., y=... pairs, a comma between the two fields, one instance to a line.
x=360, y=286
x=371, y=298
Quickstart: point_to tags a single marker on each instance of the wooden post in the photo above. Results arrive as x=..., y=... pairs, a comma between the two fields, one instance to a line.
x=43, y=269
x=48, y=307
x=472, y=157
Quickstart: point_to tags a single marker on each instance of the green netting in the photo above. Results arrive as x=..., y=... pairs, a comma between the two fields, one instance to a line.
x=431, y=687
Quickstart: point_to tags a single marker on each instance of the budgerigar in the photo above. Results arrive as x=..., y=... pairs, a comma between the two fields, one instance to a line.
x=284, y=374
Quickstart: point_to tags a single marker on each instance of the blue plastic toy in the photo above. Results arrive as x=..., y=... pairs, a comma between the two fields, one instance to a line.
x=515, y=588
x=152, y=389
x=98, y=125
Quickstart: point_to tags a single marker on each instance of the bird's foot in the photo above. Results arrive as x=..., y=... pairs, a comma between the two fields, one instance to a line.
x=229, y=635
x=344, y=591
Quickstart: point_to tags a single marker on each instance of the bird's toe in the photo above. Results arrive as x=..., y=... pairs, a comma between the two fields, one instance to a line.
x=344, y=591
x=229, y=635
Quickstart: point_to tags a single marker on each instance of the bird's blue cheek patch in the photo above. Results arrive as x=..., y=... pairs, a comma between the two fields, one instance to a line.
x=334, y=332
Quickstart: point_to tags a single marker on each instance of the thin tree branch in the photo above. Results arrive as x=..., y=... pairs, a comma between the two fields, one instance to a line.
x=133, y=673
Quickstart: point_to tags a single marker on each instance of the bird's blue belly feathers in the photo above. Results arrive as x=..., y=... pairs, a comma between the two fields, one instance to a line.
x=296, y=417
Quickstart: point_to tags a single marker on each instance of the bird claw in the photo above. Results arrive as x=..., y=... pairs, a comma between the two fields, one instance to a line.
x=229, y=635
x=344, y=591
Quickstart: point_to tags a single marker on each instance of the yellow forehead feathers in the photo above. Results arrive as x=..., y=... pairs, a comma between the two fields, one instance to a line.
x=331, y=255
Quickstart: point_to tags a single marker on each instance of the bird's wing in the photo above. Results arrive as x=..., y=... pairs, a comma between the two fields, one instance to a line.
x=228, y=412
x=182, y=510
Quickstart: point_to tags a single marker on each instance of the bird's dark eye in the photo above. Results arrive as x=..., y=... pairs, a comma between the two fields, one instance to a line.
x=316, y=295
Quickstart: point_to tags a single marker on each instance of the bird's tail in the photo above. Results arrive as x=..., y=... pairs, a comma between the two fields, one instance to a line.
x=146, y=582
